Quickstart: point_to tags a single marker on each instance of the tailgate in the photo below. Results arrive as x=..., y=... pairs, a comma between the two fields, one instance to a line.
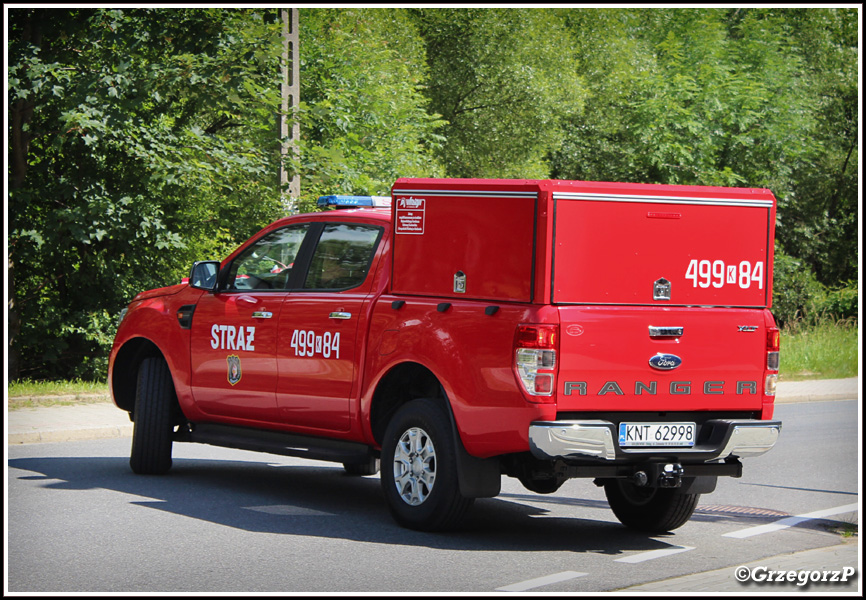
x=650, y=359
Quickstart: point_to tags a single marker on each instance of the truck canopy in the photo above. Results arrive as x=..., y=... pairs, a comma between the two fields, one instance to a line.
x=575, y=242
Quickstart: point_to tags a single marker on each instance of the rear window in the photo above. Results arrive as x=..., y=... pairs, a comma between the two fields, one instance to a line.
x=342, y=257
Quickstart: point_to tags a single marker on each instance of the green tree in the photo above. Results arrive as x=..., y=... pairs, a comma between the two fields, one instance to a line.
x=743, y=97
x=820, y=216
x=503, y=79
x=700, y=107
x=139, y=140
x=364, y=120
x=614, y=61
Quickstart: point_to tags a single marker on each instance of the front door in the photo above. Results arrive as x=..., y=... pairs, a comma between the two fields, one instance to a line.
x=234, y=332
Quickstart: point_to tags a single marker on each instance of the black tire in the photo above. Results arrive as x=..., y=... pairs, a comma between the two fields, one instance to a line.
x=371, y=467
x=649, y=509
x=153, y=423
x=424, y=495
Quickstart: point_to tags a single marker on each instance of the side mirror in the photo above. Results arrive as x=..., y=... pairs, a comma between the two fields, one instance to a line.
x=203, y=275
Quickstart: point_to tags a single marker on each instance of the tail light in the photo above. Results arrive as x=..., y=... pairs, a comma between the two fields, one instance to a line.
x=773, y=341
x=535, y=360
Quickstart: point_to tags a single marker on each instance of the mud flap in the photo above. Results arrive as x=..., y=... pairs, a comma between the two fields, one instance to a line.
x=477, y=477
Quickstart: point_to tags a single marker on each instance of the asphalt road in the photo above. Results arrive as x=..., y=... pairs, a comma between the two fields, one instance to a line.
x=237, y=522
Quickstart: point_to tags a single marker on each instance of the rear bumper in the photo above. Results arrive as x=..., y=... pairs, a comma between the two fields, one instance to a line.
x=597, y=439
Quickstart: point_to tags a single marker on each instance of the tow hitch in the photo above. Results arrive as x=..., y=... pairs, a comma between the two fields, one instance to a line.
x=664, y=475
x=671, y=476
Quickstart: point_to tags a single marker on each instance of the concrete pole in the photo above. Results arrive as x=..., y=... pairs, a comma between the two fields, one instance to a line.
x=291, y=96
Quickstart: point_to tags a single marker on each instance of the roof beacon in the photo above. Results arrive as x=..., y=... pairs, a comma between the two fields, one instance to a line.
x=355, y=201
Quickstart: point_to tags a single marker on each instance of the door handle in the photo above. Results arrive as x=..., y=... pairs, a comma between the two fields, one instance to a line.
x=262, y=314
x=340, y=315
x=658, y=332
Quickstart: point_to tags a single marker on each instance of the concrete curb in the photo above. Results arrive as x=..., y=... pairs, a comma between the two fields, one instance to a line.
x=816, y=398
x=70, y=435
x=65, y=423
x=68, y=398
x=817, y=390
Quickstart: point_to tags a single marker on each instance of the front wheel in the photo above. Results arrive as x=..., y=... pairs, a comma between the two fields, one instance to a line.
x=649, y=509
x=152, y=425
x=419, y=469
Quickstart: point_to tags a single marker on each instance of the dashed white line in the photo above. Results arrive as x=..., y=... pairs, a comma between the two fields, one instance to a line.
x=540, y=581
x=653, y=554
x=791, y=521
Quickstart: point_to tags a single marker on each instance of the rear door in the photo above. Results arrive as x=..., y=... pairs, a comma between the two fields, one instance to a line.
x=662, y=300
x=678, y=359
x=662, y=251
x=318, y=335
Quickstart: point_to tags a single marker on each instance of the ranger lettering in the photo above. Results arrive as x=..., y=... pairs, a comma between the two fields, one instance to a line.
x=678, y=388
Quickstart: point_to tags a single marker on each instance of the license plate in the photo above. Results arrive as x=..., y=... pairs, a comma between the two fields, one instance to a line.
x=656, y=434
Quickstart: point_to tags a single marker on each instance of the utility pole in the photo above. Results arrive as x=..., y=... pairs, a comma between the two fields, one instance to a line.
x=291, y=96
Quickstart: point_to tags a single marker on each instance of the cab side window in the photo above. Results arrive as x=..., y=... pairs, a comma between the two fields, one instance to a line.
x=342, y=257
x=267, y=263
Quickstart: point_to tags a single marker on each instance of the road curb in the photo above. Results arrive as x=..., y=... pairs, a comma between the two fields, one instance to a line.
x=815, y=398
x=65, y=423
x=69, y=435
x=67, y=398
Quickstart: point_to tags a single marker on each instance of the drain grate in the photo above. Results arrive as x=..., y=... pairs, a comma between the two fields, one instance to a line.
x=717, y=509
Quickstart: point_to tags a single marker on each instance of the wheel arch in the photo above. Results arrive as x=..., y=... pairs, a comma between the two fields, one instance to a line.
x=478, y=478
x=124, y=370
x=403, y=383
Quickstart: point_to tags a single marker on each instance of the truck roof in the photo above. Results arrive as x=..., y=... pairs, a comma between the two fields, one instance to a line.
x=406, y=184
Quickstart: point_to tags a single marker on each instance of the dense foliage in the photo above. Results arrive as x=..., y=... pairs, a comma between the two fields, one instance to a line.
x=138, y=144
x=364, y=120
x=503, y=80
x=143, y=139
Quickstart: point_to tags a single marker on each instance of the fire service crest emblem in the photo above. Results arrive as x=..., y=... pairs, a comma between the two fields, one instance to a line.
x=234, y=368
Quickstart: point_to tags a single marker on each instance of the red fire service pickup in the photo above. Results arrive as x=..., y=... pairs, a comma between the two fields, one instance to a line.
x=465, y=329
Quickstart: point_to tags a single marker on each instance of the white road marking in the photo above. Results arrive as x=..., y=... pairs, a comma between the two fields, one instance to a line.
x=653, y=554
x=540, y=581
x=791, y=521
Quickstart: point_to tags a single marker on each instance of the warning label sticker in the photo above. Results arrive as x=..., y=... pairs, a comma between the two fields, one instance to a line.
x=410, y=216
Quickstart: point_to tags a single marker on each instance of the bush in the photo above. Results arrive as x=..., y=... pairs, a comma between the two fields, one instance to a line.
x=801, y=301
x=796, y=291
x=840, y=304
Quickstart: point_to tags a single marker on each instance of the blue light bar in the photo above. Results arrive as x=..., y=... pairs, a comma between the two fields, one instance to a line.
x=354, y=201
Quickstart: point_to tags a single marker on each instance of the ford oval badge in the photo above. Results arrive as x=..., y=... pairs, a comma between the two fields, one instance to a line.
x=665, y=362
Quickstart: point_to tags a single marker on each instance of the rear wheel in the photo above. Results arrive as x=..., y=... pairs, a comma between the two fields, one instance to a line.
x=153, y=424
x=419, y=469
x=649, y=509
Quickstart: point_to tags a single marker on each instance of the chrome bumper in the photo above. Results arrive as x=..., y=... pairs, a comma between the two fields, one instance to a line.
x=718, y=439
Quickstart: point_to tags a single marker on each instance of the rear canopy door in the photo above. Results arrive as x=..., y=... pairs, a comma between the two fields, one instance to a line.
x=632, y=249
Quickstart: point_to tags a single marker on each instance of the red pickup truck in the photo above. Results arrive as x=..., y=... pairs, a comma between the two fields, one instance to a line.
x=466, y=329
